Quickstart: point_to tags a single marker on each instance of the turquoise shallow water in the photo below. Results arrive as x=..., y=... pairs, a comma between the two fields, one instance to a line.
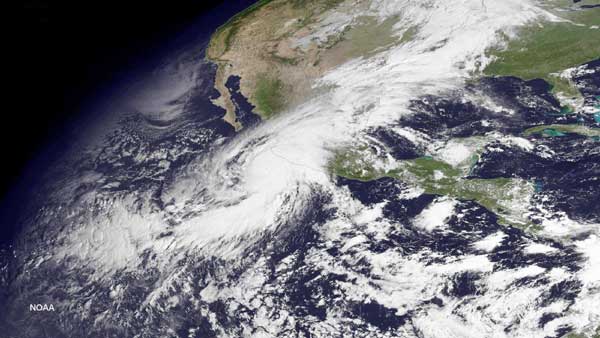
x=538, y=185
x=552, y=132
x=564, y=110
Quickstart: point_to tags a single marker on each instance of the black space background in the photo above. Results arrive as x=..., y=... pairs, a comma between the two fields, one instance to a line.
x=63, y=52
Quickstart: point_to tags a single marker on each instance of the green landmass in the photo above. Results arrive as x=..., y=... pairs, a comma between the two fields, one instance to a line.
x=351, y=163
x=268, y=95
x=540, y=51
x=499, y=195
x=561, y=129
x=544, y=49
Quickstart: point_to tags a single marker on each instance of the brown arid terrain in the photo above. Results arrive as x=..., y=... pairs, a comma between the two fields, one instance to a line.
x=279, y=48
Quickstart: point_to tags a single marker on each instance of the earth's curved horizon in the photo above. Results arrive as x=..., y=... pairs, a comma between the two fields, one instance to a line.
x=331, y=168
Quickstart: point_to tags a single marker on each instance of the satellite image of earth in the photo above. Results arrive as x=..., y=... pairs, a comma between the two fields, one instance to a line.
x=331, y=168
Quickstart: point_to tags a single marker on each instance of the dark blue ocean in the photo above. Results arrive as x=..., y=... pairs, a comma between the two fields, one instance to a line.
x=193, y=39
